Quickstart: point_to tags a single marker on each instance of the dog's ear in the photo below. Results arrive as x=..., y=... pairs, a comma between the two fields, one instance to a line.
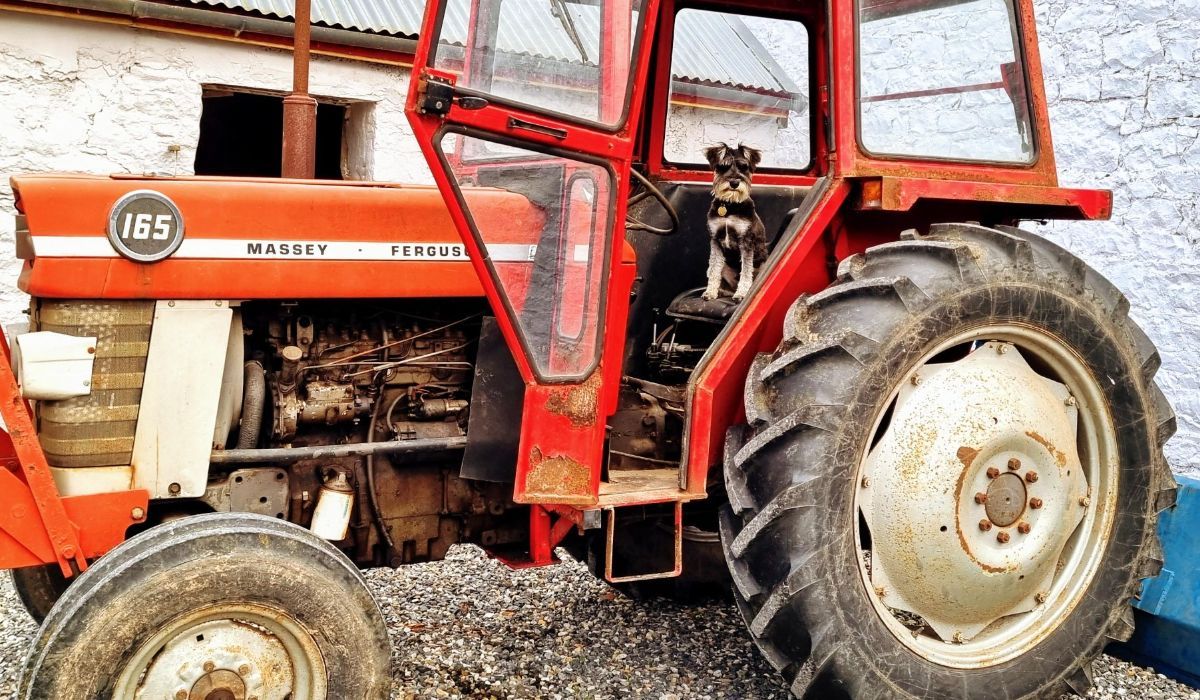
x=713, y=154
x=752, y=154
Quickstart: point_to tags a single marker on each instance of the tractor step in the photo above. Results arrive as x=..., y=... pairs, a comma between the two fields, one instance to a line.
x=643, y=542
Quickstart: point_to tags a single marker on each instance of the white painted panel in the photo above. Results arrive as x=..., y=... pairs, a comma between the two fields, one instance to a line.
x=179, y=397
x=84, y=481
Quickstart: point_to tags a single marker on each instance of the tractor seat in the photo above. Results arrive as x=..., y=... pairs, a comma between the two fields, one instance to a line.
x=691, y=305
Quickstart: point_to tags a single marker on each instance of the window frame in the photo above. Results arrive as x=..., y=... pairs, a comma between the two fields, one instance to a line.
x=535, y=362
x=804, y=169
x=636, y=21
x=1035, y=154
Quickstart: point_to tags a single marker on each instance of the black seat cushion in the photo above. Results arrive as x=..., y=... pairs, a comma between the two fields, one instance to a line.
x=692, y=305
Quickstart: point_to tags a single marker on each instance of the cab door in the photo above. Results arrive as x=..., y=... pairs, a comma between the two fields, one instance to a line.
x=525, y=111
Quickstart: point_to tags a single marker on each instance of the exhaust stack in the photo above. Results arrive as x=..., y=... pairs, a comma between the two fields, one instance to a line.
x=299, y=108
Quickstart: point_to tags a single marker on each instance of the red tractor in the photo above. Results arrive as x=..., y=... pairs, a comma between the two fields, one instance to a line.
x=925, y=448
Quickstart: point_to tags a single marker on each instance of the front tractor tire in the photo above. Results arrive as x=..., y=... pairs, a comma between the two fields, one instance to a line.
x=215, y=606
x=951, y=473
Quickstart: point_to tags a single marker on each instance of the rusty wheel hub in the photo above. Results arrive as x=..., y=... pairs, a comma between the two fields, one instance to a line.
x=242, y=651
x=973, y=489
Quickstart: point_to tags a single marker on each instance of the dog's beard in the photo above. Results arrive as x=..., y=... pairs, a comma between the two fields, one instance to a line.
x=723, y=192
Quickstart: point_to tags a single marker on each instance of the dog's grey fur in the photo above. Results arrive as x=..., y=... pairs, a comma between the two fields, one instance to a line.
x=737, y=237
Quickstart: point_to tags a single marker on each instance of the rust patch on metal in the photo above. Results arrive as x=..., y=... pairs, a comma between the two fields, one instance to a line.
x=556, y=476
x=1059, y=455
x=577, y=403
x=967, y=456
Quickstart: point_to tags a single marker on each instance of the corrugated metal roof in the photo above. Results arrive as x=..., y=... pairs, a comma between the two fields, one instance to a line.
x=710, y=48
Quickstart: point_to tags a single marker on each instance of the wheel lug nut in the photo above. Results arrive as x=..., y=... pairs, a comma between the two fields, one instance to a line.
x=1023, y=528
x=985, y=524
x=244, y=669
x=865, y=482
x=1031, y=476
x=1040, y=598
x=1085, y=501
x=993, y=472
x=181, y=695
x=1002, y=537
x=1014, y=464
x=209, y=666
x=1071, y=401
x=981, y=498
x=1035, y=503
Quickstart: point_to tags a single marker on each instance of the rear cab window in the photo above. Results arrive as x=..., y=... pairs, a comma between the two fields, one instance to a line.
x=738, y=79
x=943, y=79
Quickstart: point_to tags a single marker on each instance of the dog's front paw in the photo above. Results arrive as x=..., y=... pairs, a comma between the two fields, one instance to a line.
x=708, y=296
x=738, y=297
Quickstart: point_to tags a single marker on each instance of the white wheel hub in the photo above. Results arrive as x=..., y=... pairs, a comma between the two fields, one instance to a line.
x=972, y=491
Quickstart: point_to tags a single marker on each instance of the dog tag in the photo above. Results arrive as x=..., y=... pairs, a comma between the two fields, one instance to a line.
x=722, y=211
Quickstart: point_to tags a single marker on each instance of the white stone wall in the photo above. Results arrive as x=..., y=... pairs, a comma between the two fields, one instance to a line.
x=1123, y=80
x=1124, y=85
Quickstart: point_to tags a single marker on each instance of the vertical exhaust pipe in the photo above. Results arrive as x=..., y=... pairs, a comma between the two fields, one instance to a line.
x=299, y=108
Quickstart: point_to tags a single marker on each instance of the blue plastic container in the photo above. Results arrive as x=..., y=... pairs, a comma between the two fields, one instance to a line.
x=1167, y=634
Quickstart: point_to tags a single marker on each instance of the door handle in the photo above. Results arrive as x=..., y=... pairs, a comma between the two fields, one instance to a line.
x=552, y=132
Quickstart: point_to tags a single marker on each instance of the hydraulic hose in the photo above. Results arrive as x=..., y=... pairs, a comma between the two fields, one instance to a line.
x=253, y=403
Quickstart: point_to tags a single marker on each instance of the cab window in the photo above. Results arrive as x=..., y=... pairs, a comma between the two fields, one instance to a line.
x=738, y=79
x=942, y=79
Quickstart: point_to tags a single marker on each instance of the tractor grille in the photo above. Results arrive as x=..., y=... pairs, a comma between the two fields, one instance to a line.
x=97, y=430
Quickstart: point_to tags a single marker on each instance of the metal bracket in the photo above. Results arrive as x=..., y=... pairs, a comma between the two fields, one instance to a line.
x=437, y=96
x=676, y=570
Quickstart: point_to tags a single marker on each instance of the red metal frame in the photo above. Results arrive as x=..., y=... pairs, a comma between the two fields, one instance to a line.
x=850, y=185
x=37, y=526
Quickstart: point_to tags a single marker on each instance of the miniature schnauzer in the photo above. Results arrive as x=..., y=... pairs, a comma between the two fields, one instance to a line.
x=737, y=237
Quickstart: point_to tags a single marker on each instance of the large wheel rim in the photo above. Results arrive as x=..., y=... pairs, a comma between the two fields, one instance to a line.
x=229, y=651
x=938, y=612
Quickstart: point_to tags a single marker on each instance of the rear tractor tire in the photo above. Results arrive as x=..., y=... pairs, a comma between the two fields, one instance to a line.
x=951, y=474
x=214, y=607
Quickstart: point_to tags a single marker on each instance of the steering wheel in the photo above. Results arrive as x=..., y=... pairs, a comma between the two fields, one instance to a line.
x=649, y=190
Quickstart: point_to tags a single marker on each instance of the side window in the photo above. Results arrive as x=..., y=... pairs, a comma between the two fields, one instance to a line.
x=738, y=79
x=942, y=80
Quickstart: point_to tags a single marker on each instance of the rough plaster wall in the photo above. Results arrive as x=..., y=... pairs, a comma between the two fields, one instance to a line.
x=1124, y=85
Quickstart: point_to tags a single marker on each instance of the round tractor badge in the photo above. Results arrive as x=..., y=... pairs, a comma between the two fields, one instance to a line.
x=145, y=226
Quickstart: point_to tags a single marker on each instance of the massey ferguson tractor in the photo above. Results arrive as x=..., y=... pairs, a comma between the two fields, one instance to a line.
x=924, y=451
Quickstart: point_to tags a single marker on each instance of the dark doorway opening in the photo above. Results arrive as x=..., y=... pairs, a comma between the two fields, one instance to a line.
x=241, y=135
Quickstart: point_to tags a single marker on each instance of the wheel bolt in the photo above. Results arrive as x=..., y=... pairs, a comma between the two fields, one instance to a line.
x=1023, y=528
x=916, y=379
x=993, y=472
x=1014, y=464
x=1035, y=503
x=209, y=666
x=865, y=482
x=985, y=524
x=244, y=669
x=181, y=695
x=1040, y=598
x=1031, y=476
x=1071, y=401
x=1085, y=501
x=981, y=498
x=1002, y=349
x=1002, y=537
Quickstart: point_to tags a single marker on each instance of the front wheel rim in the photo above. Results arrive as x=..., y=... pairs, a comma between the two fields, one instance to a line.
x=1041, y=595
x=228, y=651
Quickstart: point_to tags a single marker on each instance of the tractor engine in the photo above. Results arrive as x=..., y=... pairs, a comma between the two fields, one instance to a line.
x=301, y=377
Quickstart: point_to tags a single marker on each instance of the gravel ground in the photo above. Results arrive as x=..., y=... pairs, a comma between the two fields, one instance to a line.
x=471, y=628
